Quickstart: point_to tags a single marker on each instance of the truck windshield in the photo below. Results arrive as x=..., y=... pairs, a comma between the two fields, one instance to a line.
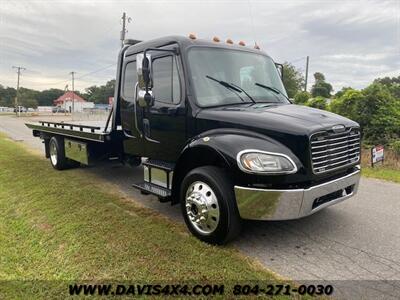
x=224, y=77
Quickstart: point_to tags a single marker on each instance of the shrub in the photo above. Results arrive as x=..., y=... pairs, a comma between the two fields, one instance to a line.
x=317, y=102
x=396, y=147
x=302, y=97
x=347, y=105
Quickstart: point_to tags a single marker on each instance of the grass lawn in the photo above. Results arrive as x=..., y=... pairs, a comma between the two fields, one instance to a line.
x=380, y=172
x=389, y=170
x=62, y=227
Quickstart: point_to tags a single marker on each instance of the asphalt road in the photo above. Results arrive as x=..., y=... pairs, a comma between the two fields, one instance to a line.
x=353, y=244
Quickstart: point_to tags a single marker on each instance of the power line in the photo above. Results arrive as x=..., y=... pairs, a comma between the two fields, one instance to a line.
x=95, y=71
x=84, y=75
x=17, y=110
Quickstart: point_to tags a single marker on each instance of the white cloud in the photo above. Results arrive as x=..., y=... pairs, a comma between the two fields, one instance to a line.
x=351, y=42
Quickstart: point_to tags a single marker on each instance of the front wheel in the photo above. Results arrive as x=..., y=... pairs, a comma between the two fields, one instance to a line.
x=208, y=205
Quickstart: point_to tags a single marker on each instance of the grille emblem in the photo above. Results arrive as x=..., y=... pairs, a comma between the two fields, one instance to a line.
x=338, y=128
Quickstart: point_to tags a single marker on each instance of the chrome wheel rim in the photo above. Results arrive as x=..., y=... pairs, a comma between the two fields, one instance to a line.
x=53, y=153
x=202, y=207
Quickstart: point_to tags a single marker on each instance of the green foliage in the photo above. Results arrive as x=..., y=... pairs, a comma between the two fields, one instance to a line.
x=317, y=102
x=293, y=79
x=302, y=97
x=375, y=109
x=396, y=147
x=32, y=98
x=29, y=103
x=347, y=104
x=46, y=97
x=379, y=114
x=100, y=94
x=321, y=87
x=342, y=91
x=7, y=96
x=392, y=83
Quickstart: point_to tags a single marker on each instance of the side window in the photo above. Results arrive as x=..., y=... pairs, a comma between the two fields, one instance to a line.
x=166, y=85
x=130, y=79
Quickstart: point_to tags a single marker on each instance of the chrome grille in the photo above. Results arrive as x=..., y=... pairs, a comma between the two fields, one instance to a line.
x=331, y=151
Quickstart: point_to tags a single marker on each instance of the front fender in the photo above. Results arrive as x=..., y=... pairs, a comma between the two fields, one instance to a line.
x=229, y=142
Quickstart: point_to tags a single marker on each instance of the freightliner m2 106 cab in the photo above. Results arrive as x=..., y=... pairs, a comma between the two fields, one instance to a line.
x=213, y=127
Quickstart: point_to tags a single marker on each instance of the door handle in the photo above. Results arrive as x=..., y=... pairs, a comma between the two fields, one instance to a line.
x=147, y=133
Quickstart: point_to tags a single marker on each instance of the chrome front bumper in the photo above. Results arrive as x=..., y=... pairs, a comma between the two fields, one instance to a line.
x=264, y=204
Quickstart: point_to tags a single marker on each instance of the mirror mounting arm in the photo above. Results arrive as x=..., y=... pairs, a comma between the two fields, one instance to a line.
x=146, y=67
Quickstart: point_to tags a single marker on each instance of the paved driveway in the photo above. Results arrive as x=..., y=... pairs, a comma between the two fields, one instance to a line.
x=355, y=243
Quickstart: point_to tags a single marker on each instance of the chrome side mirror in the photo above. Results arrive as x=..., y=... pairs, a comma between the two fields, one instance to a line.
x=279, y=67
x=143, y=68
x=144, y=95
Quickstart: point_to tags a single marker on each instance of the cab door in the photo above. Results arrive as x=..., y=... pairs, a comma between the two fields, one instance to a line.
x=131, y=114
x=164, y=123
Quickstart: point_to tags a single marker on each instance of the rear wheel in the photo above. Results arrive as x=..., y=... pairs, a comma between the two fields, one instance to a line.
x=208, y=205
x=57, y=154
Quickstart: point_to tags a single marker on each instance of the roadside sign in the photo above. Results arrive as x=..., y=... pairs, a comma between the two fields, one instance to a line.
x=377, y=155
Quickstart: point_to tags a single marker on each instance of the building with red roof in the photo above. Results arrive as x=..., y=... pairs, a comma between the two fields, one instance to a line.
x=60, y=101
x=73, y=102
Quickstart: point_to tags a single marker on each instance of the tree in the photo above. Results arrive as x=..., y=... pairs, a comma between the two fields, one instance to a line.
x=321, y=87
x=342, y=91
x=293, y=79
x=317, y=102
x=7, y=96
x=380, y=114
x=302, y=97
x=28, y=97
x=100, y=94
x=46, y=97
x=392, y=83
x=29, y=103
x=348, y=104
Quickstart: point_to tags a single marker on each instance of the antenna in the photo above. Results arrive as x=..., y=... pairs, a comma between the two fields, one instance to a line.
x=252, y=24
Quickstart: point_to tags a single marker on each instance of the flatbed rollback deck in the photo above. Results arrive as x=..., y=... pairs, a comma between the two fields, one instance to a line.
x=215, y=132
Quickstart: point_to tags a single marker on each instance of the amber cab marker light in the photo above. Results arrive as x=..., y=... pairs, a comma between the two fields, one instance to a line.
x=192, y=36
x=229, y=41
x=241, y=43
x=216, y=39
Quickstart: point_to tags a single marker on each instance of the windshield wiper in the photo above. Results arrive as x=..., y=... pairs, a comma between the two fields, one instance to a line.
x=228, y=85
x=276, y=91
x=247, y=94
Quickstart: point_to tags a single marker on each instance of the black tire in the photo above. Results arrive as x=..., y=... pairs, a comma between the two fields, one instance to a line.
x=229, y=222
x=59, y=162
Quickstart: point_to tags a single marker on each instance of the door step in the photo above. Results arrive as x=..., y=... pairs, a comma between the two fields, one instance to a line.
x=159, y=164
x=150, y=188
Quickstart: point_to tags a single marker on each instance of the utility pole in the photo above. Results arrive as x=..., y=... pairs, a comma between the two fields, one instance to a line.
x=17, y=111
x=125, y=20
x=73, y=91
x=307, y=63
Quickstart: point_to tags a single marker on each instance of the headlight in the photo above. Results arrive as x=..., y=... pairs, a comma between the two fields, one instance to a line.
x=256, y=161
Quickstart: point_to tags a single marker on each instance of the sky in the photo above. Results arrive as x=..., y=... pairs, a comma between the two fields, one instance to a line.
x=351, y=42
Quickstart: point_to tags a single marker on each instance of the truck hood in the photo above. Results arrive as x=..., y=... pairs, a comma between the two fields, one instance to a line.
x=271, y=119
x=289, y=124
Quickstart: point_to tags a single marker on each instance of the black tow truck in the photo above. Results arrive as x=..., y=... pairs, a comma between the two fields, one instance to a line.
x=213, y=127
